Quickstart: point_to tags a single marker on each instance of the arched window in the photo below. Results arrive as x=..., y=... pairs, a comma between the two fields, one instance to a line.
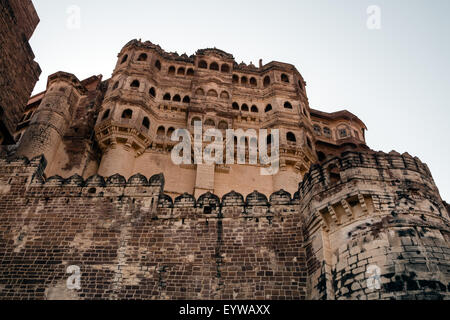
x=284, y=78
x=214, y=66
x=213, y=93
x=116, y=85
x=158, y=65
x=287, y=105
x=142, y=57
x=194, y=120
x=235, y=79
x=317, y=130
x=152, y=92
x=291, y=137
x=171, y=70
x=106, y=114
x=177, y=98
x=327, y=131
x=135, y=84
x=253, y=82
x=225, y=68
x=200, y=92
x=343, y=132
x=224, y=95
x=146, y=123
x=244, y=81
x=255, y=109
x=268, y=108
x=186, y=99
x=202, y=64
x=223, y=125
x=170, y=132
x=124, y=59
x=167, y=97
x=190, y=72
x=161, y=132
x=235, y=106
x=181, y=71
x=210, y=123
x=244, y=108
x=127, y=114
x=266, y=81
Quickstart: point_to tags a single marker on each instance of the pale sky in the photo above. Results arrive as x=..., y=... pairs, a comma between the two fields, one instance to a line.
x=396, y=79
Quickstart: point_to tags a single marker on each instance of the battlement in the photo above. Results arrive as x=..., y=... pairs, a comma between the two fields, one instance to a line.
x=390, y=167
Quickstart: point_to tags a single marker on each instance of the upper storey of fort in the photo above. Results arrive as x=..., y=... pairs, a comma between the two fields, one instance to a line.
x=124, y=125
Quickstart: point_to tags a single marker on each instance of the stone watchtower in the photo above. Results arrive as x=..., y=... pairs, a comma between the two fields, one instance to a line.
x=52, y=118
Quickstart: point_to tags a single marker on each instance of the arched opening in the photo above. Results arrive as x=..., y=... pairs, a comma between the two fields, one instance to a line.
x=158, y=65
x=167, y=97
x=235, y=79
x=124, y=59
x=186, y=99
x=127, y=114
x=254, y=109
x=190, y=72
x=284, y=78
x=106, y=114
x=116, y=85
x=224, y=95
x=135, y=84
x=317, y=130
x=244, y=81
x=253, y=82
x=177, y=98
x=236, y=106
x=146, y=123
x=171, y=70
x=225, y=68
x=202, y=64
x=245, y=108
x=343, y=132
x=214, y=66
x=200, y=92
x=213, y=93
x=223, y=125
x=269, y=139
x=170, y=132
x=327, y=131
x=181, y=71
x=266, y=81
x=287, y=105
x=194, y=120
x=268, y=108
x=291, y=137
x=152, y=92
x=161, y=132
x=210, y=123
x=142, y=57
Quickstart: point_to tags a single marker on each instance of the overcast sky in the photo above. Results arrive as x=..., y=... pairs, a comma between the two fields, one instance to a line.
x=396, y=79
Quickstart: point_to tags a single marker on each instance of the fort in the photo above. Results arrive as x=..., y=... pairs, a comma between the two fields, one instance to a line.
x=87, y=180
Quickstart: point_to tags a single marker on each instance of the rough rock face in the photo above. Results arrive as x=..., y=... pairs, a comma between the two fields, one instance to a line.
x=19, y=72
x=356, y=216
